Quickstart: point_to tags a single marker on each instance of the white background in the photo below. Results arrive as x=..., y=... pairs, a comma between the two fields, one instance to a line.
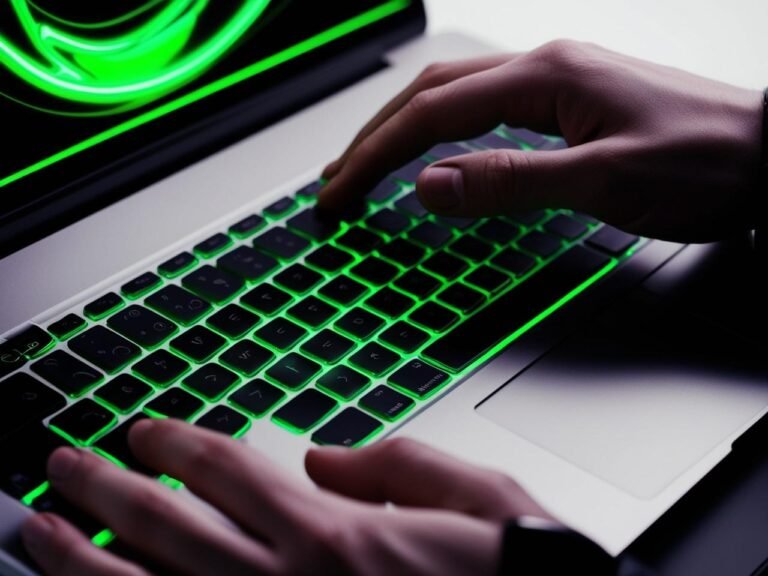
x=723, y=39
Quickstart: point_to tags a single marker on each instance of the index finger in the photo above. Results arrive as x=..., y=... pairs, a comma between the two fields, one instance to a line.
x=519, y=93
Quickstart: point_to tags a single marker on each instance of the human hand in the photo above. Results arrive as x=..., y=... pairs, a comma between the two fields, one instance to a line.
x=652, y=150
x=448, y=519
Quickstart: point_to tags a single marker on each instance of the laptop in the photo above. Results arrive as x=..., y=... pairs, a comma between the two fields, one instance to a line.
x=161, y=257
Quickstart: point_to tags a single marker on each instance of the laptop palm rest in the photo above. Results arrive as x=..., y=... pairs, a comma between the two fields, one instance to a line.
x=637, y=398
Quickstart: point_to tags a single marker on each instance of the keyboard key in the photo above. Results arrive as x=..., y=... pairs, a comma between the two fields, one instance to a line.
x=212, y=284
x=24, y=400
x=257, y=397
x=28, y=344
x=233, y=321
x=461, y=297
x=198, y=344
x=390, y=303
x=487, y=278
x=534, y=139
x=386, y=402
x=403, y=252
x=383, y=191
x=178, y=304
x=247, y=226
x=446, y=150
x=495, y=142
x=343, y=382
x=281, y=333
x=124, y=392
x=586, y=218
x=293, y=371
x=375, y=271
x=327, y=346
x=374, y=359
x=213, y=245
x=140, y=285
x=67, y=373
x=539, y=243
x=67, y=327
x=305, y=410
x=566, y=227
x=143, y=326
x=52, y=502
x=24, y=458
x=472, y=248
x=403, y=336
x=359, y=323
x=498, y=231
x=225, y=420
x=456, y=223
x=411, y=205
x=418, y=378
x=246, y=357
x=174, y=403
x=313, y=224
x=388, y=221
x=458, y=348
x=360, y=240
x=247, y=263
x=343, y=290
x=104, y=348
x=430, y=235
x=281, y=243
x=115, y=445
x=514, y=261
x=310, y=191
x=349, y=428
x=410, y=172
x=211, y=381
x=177, y=265
x=446, y=265
x=82, y=421
x=161, y=368
x=298, y=278
x=104, y=306
x=611, y=240
x=312, y=311
x=418, y=283
x=266, y=299
x=329, y=258
x=529, y=218
x=280, y=207
x=434, y=316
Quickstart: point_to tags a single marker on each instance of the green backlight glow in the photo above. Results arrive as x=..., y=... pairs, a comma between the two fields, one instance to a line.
x=33, y=495
x=103, y=538
x=310, y=44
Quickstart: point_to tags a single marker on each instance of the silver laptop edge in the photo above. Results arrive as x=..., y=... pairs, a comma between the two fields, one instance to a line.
x=38, y=283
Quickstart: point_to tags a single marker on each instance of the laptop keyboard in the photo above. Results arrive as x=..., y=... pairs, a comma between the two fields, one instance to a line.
x=331, y=330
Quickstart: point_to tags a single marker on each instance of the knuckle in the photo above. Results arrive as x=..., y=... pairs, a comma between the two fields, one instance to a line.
x=562, y=51
x=211, y=454
x=149, y=510
x=574, y=63
x=498, y=171
x=434, y=74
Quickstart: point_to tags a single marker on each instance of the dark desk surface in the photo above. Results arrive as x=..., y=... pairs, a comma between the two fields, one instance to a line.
x=720, y=528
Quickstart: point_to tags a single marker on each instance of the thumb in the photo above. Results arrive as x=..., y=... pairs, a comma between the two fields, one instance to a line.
x=409, y=473
x=508, y=181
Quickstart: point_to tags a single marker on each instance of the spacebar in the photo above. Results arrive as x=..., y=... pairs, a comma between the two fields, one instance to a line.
x=513, y=311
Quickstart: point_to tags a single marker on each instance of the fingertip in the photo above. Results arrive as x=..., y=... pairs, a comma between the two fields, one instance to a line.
x=441, y=189
x=317, y=461
x=331, y=170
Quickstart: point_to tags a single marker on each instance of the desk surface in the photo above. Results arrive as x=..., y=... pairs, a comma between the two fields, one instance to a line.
x=727, y=40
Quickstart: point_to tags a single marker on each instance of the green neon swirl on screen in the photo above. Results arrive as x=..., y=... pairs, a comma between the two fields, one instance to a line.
x=327, y=36
x=148, y=61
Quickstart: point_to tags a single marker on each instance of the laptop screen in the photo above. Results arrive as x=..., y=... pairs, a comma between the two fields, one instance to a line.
x=83, y=83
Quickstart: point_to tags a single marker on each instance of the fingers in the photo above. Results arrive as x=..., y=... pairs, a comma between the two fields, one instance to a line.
x=411, y=474
x=509, y=181
x=518, y=93
x=432, y=76
x=151, y=518
x=59, y=548
x=238, y=481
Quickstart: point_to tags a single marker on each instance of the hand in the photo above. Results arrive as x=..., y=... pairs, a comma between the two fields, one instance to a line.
x=653, y=150
x=448, y=520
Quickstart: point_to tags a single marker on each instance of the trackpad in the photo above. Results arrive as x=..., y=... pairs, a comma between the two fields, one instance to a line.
x=639, y=397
